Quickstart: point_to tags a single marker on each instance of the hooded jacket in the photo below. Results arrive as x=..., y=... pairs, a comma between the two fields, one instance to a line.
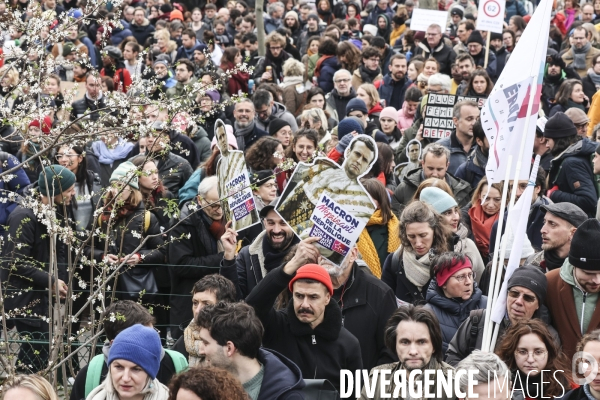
x=573, y=311
x=320, y=353
x=451, y=312
x=443, y=53
x=326, y=67
x=280, y=112
x=407, y=188
x=118, y=35
x=282, y=378
x=142, y=32
x=191, y=259
x=572, y=172
x=247, y=270
x=514, y=7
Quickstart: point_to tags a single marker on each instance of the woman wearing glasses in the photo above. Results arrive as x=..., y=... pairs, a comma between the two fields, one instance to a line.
x=453, y=294
x=525, y=301
x=528, y=348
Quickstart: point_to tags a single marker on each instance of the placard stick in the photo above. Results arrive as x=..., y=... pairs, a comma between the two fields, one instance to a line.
x=487, y=49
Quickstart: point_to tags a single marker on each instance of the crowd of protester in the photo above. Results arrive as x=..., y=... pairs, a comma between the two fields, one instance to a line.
x=258, y=313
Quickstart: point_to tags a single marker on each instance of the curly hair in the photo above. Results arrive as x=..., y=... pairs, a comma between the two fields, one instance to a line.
x=418, y=211
x=260, y=156
x=556, y=360
x=208, y=383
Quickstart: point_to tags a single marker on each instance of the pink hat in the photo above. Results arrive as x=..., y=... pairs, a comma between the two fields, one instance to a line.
x=389, y=112
x=231, y=140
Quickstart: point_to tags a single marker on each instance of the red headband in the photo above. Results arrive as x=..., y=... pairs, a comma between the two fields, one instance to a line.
x=443, y=276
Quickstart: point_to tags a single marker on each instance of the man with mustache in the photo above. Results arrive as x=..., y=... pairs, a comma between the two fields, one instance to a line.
x=263, y=255
x=310, y=330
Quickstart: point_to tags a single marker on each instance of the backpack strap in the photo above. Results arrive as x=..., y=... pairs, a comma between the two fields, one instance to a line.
x=477, y=320
x=179, y=360
x=94, y=373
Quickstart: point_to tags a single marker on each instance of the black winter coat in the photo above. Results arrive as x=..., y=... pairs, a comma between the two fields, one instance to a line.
x=26, y=266
x=103, y=170
x=320, y=353
x=174, y=171
x=11, y=140
x=444, y=55
x=452, y=312
x=393, y=275
x=87, y=108
x=589, y=87
x=282, y=379
x=573, y=174
x=191, y=259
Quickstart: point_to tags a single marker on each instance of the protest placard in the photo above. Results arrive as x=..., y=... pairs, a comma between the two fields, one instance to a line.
x=422, y=18
x=437, y=121
x=490, y=15
x=234, y=184
x=327, y=201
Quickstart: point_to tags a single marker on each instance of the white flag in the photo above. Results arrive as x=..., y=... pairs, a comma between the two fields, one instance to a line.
x=504, y=113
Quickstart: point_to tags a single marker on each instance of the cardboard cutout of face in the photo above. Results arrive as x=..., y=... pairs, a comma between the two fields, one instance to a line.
x=413, y=151
x=234, y=184
x=325, y=200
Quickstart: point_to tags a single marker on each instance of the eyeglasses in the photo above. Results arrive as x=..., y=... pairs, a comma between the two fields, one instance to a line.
x=342, y=81
x=537, y=353
x=275, y=48
x=60, y=156
x=461, y=278
x=515, y=294
x=582, y=126
x=263, y=112
x=213, y=207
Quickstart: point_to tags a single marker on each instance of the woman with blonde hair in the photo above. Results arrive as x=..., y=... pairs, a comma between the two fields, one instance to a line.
x=21, y=387
x=10, y=92
x=369, y=94
x=293, y=85
x=165, y=44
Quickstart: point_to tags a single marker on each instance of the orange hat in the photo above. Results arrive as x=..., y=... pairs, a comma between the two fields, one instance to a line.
x=315, y=272
x=176, y=14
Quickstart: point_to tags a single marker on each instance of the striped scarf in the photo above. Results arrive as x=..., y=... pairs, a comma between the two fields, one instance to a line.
x=366, y=247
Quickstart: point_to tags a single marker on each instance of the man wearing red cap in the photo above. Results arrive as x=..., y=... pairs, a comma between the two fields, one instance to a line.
x=310, y=331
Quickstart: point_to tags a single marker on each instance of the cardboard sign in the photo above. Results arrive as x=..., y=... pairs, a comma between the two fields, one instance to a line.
x=437, y=121
x=234, y=184
x=327, y=201
x=490, y=15
x=68, y=86
x=421, y=19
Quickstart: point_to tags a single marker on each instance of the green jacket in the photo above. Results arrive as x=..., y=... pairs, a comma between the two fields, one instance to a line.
x=585, y=303
x=180, y=89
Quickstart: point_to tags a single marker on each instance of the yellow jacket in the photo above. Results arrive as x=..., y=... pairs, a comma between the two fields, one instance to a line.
x=396, y=33
x=594, y=113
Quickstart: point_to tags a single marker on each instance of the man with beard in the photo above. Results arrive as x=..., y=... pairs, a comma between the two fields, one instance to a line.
x=202, y=64
x=231, y=337
x=571, y=177
x=466, y=66
x=573, y=288
x=244, y=127
x=581, y=53
x=560, y=223
x=309, y=331
x=473, y=170
x=464, y=30
x=338, y=98
x=365, y=318
x=184, y=73
x=395, y=83
x=313, y=28
x=194, y=251
x=414, y=335
x=476, y=49
x=263, y=255
x=251, y=45
x=554, y=76
x=268, y=110
x=435, y=47
x=270, y=68
x=461, y=142
x=497, y=46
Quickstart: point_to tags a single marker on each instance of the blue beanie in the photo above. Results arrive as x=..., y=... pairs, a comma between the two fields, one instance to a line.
x=349, y=125
x=54, y=180
x=438, y=199
x=356, y=104
x=139, y=345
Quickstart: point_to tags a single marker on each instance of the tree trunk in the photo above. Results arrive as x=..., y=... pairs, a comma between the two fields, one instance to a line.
x=260, y=27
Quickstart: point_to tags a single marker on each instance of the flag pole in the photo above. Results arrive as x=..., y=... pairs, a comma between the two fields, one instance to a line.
x=488, y=308
x=487, y=49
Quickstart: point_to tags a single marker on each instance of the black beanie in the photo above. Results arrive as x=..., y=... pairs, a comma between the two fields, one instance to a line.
x=555, y=59
x=559, y=126
x=582, y=255
x=495, y=36
x=475, y=37
x=532, y=278
x=276, y=125
x=166, y=8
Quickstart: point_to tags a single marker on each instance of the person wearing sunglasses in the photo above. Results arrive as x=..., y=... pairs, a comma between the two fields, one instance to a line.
x=524, y=301
x=536, y=362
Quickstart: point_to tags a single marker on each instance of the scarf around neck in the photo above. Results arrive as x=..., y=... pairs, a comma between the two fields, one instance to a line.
x=481, y=225
x=191, y=339
x=366, y=247
x=367, y=75
x=154, y=390
x=594, y=77
x=241, y=133
x=552, y=260
x=418, y=271
x=109, y=156
x=579, y=55
x=274, y=257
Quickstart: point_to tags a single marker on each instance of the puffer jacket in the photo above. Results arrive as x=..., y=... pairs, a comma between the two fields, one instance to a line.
x=407, y=188
x=444, y=55
x=86, y=107
x=325, y=70
x=573, y=174
x=514, y=7
x=451, y=312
